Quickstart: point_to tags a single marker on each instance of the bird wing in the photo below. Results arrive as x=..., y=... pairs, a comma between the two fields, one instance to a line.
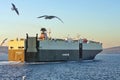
x=3, y=41
x=17, y=11
x=14, y=8
x=42, y=16
x=59, y=19
x=13, y=5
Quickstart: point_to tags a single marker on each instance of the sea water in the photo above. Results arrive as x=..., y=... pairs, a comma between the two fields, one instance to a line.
x=103, y=67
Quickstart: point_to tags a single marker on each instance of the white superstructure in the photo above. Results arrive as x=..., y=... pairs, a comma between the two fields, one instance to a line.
x=72, y=45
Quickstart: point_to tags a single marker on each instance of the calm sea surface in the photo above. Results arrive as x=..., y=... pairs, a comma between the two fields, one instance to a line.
x=103, y=67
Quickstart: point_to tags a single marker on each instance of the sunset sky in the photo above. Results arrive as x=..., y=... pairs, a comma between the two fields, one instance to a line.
x=97, y=20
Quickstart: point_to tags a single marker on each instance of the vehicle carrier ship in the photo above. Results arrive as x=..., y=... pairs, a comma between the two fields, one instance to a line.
x=44, y=49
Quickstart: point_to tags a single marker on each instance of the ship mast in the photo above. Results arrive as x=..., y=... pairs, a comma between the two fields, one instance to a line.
x=49, y=32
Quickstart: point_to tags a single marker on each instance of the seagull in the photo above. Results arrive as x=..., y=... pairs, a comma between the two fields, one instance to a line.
x=50, y=17
x=23, y=77
x=14, y=8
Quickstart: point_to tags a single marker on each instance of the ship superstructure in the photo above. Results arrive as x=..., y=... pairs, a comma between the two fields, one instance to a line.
x=43, y=48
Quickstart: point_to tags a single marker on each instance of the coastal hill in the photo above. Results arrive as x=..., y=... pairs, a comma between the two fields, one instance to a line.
x=3, y=53
x=3, y=49
x=112, y=50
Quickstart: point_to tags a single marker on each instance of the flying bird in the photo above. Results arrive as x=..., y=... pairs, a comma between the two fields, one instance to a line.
x=14, y=8
x=3, y=41
x=50, y=17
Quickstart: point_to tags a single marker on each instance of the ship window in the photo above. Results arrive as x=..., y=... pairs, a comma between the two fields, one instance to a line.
x=11, y=40
x=19, y=47
x=21, y=39
x=11, y=47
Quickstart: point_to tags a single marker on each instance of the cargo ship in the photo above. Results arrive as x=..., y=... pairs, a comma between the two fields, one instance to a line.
x=46, y=49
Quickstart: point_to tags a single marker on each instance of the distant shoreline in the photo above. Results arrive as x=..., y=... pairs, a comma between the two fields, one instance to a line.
x=112, y=50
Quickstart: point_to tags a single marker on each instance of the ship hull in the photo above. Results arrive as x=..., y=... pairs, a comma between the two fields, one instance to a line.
x=68, y=55
x=60, y=55
x=90, y=54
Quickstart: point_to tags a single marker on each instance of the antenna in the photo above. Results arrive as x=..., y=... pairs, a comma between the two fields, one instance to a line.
x=49, y=33
x=78, y=36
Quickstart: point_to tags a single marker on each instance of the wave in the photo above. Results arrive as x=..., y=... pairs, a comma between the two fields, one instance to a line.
x=9, y=62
